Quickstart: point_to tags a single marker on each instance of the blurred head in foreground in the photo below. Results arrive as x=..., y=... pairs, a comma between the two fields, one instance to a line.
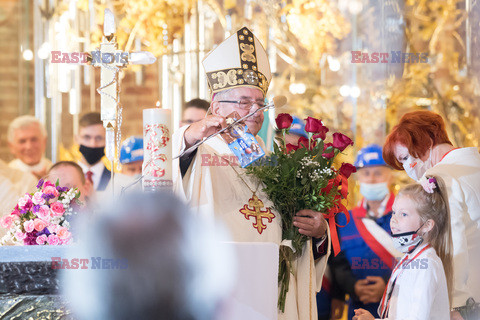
x=149, y=258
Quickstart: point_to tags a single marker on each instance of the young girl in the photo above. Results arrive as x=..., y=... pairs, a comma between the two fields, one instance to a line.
x=420, y=285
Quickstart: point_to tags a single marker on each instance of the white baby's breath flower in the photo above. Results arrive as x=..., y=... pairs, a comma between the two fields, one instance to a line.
x=4, y=240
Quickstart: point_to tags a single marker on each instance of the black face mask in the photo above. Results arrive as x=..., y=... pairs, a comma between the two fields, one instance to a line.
x=92, y=155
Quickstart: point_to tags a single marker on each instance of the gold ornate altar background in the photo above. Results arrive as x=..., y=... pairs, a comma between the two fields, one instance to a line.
x=309, y=44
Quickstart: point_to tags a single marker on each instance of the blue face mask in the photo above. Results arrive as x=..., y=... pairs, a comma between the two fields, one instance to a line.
x=374, y=191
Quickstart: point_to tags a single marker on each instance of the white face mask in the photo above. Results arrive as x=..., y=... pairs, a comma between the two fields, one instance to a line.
x=416, y=168
x=407, y=241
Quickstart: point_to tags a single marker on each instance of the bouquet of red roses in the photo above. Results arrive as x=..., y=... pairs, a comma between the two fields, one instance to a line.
x=302, y=176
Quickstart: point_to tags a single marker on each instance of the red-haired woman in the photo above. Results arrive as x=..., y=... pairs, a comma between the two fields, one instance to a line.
x=419, y=145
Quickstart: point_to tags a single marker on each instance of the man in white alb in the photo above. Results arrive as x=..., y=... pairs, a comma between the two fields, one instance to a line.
x=238, y=75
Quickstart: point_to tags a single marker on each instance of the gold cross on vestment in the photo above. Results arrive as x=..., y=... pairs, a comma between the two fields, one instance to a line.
x=256, y=212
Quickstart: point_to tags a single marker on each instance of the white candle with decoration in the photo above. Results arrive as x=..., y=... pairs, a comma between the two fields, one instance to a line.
x=157, y=147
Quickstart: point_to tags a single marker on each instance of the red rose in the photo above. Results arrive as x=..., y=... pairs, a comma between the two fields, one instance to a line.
x=291, y=147
x=314, y=125
x=303, y=143
x=347, y=169
x=341, y=141
x=284, y=121
x=322, y=134
x=329, y=155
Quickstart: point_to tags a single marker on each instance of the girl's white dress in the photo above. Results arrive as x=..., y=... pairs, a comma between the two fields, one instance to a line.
x=420, y=290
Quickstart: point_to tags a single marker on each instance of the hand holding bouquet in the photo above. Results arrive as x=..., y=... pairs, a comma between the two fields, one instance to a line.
x=302, y=176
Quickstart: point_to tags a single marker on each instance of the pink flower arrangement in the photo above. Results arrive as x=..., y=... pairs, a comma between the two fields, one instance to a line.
x=44, y=213
x=7, y=221
x=39, y=218
x=38, y=198
x=57, y=208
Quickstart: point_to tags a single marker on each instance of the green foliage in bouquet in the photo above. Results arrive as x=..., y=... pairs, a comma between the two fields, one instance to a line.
x=297, y=177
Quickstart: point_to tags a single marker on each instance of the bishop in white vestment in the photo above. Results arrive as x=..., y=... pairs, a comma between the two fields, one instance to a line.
x=216, y=188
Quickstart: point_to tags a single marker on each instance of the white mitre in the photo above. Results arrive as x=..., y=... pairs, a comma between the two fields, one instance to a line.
x=239, y=61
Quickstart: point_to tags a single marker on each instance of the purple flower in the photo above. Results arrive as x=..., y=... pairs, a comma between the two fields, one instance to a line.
x=45, y=231
x=48, y=196
x=40, y=184
x=28, y=205
x=31, y=238
x=62, y=189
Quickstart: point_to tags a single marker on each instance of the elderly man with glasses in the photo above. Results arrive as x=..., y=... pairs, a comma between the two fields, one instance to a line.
x=217, y=188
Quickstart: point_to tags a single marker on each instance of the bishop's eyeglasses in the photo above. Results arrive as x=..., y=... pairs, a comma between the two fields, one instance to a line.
x=245, y=104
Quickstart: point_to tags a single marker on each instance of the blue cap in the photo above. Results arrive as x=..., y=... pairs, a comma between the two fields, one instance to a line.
x=370, y=156
x=298, y=127
x=132, y=150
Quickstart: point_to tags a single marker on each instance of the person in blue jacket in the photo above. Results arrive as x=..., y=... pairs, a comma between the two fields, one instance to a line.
x=365, y=240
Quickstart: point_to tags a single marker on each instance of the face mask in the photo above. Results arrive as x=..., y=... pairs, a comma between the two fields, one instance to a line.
x=407, y=241
x=374, y=191
x=92, y=155
x=416, y=168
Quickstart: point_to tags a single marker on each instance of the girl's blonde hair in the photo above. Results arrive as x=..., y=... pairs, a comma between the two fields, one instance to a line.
x=435, y=206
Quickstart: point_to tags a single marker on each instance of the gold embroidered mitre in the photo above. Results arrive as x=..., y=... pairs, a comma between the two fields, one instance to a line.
x=239, y=61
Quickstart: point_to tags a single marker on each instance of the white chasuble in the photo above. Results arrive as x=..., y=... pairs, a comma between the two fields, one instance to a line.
x=13, y=185
x=215, y=192
x=18, y=164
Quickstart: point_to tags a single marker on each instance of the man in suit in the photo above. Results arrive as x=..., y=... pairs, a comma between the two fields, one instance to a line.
x=91, y=138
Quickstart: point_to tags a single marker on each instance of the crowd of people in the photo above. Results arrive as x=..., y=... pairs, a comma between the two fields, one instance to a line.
x=27, y=140
x=434, y=224
x=409, y=255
